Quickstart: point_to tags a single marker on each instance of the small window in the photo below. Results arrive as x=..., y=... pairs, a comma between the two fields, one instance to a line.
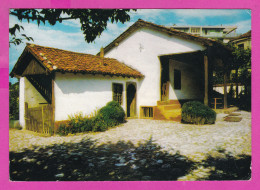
x=195, y=30
x=146, y=112
x=241, y=46
x=177, y=79
x=117, y=92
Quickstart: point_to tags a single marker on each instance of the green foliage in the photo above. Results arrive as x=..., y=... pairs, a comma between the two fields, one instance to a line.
x=63, y=129
x=108, y=116
x=14, y=101
x=112, y=113
x=197, y=113
x=14, y=124
x=93, y=21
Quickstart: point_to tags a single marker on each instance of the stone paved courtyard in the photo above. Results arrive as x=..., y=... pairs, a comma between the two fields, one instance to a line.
x=137, y=150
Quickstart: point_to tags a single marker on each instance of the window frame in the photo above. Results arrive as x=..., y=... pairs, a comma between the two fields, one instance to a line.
x=115, y=93
x=177, y=79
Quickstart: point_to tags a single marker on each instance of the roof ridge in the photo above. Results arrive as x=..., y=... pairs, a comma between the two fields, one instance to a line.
x=29, y=44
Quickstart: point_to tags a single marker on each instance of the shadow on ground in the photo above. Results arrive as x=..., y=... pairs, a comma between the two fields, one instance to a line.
x=228, y=167
x=85, y=161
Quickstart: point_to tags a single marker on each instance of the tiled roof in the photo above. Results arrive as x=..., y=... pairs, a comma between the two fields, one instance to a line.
x=66, y=61
x=168, y=30
x=245, y=35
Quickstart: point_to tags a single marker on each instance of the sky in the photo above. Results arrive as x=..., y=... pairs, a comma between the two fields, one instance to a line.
x=68, y=35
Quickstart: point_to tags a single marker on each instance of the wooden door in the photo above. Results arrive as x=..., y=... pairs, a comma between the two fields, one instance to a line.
x=131, y=100
x=165, y=91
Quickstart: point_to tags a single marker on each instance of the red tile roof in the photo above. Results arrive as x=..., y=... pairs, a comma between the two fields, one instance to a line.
x=54, y=59
x=245, y=35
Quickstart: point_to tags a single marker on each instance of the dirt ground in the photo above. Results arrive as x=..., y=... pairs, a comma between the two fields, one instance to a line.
x=137, y=150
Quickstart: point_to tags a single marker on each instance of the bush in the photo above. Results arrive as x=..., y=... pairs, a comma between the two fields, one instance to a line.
x=63, y=129
x=197, y=113
x=112, y=113
x=108, y=116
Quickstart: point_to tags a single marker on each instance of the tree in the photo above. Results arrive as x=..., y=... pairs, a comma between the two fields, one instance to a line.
x=93, y=21
x=14, y=101
x=242, y=65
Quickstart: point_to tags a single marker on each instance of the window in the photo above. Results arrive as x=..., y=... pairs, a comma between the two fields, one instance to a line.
x=177, y=79
x=241, y=46
x=117, y=92
x=146, y=112
x=195, y=30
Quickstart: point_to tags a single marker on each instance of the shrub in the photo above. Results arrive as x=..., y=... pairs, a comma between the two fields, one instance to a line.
x=197, y=113
x=63, y=129
x=112, y=113
x=108, y=116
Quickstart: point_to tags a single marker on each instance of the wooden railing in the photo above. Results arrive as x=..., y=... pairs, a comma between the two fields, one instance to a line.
x=216, y=102
x=39, y=119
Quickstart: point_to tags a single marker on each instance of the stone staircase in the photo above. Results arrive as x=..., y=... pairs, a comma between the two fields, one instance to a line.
x=168, y=110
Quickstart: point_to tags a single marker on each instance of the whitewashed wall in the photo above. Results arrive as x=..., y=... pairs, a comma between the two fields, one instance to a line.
x=220, y=89
x=141, y=50
x=84, y=93
x=191, y=81
x=21, y=102
x=32, y=96
x=27, y=93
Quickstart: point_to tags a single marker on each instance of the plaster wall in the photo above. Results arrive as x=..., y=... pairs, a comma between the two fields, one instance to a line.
x=32, y=96
x=21, y=102
x=84, y=93
x=141, y=50
x=220, y=89
x=191, y=81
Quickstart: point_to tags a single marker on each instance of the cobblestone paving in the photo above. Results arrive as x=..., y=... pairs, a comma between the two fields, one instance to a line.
x=196, y=143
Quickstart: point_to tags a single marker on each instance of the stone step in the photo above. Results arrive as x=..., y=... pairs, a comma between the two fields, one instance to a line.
x=168, y=102
x=170, y=107
x=161, y=114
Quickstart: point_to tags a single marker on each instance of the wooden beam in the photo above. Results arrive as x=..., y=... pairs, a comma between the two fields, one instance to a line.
x=53, y=102
x=225, y=90
x=206, y=81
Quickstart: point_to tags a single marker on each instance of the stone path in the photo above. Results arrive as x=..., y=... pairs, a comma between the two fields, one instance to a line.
x=141, y=148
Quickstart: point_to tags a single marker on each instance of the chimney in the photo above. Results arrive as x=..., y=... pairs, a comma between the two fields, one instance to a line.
x=102, y=52
x=102, y=56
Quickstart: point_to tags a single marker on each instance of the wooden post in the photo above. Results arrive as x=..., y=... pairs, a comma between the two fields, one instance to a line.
x=43, y=131
x=206, y=85
x=26, y=115
x=52, y=105
x=225, y=90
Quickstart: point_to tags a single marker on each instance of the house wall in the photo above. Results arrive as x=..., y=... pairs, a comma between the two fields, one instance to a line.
x=246, y=42
x=32, y=96
x=21, y=102
x=220, y=89
x=27, y=93
x=191, y=81
x=84, y=93
x=141, y=50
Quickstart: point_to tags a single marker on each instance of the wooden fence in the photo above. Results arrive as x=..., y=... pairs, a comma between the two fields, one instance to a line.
x=39, y=119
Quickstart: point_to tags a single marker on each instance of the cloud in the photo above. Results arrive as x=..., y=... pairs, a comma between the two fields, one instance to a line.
x=243, y=26
x=72, y=23
x=148, y=14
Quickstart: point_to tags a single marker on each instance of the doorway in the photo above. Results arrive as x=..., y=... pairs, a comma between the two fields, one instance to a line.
x=131, y=99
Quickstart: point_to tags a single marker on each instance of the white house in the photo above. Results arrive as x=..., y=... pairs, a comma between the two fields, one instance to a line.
x=149, y=69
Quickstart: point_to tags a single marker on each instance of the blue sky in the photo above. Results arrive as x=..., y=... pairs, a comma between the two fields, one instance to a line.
x=68, y=36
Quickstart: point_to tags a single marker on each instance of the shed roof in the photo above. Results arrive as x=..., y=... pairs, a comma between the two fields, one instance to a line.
x=58, y=60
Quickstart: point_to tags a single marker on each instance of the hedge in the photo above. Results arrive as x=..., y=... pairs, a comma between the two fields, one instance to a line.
x=197, y=113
